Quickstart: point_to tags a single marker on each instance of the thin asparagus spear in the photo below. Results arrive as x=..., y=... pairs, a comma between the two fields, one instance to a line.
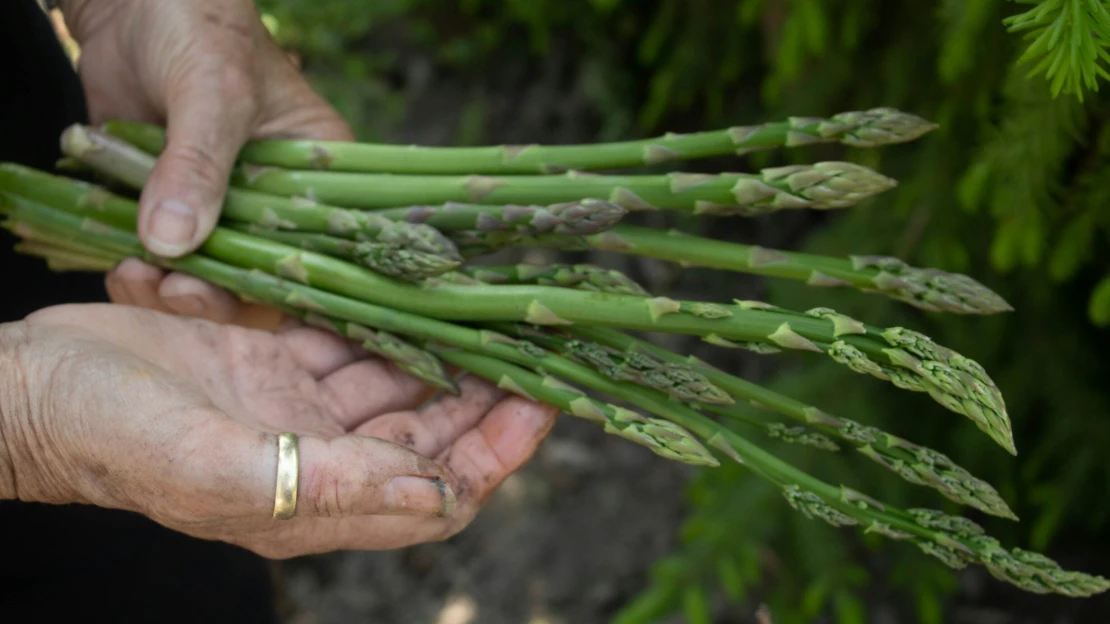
x=825, y=185
x=580, y=276
x=956, y=541
x=576, y=218
x=378, y=252
x=928, y=289
x=871, y=128
x=474, y=243
x=409, y=358
x=62, y=260
x=907, y=359
x=408, y=251
x=663, y=437
x=917, y=464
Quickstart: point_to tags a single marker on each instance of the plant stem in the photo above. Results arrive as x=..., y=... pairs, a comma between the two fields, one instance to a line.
x=820, y=186
x=872, y=128
x=577, y=218
x=580, y=276
x=927, y=289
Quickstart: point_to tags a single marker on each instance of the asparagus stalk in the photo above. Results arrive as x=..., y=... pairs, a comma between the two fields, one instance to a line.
x=418, y=263
x=956, y=541
x=404, y=250
x=580, y=276
x=576, y=218
x=927, y=289
x=413, y=360
x=62, y=260
x=907, y=359
x=663, y=437
x=825, y=185
x=917, y=464
x=871, y=128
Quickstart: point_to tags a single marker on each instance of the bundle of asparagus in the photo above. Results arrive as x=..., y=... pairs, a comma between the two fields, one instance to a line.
x=373, y=242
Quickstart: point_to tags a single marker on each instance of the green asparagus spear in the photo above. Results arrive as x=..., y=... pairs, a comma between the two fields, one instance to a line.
x=580, y=276
x=825, y=185
x=871, y=128
x=663, y=437
x=411, y=359
x=576, y=218
x=406, y=258
x=928, y=289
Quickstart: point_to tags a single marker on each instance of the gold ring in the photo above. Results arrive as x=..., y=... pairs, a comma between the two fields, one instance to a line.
x=288, y=465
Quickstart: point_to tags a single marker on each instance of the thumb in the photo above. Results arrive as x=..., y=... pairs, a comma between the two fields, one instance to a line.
x=358, y=476
x=208, y=120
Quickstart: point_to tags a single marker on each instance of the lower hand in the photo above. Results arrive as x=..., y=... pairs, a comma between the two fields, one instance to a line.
x=177, y=419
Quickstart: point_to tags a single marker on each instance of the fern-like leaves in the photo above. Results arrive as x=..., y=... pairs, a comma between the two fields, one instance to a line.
x=1068, y=42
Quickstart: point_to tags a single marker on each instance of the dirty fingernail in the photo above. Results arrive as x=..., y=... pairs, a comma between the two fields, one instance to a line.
x=419, y=496
x=172, y=227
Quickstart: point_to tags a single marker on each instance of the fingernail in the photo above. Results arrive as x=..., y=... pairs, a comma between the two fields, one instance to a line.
x=172, y=227
x=186, y=305
x=419, y=496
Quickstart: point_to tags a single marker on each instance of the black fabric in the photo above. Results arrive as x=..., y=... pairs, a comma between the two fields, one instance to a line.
x=67, y=562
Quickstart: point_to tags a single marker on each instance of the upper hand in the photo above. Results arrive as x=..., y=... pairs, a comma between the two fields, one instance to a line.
x=177, y=419
x=209, y=71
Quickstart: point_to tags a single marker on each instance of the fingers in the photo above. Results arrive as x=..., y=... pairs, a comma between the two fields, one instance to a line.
x=434, y=428
x=366, y=388
x=139, y=284
x=228, y=471
x=135, y=283
x=319, y=352
x=210, y=114
x=484, y=457
x=189, y=296
x=356, y=476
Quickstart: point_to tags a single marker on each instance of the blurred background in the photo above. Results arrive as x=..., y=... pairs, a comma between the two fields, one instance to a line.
x=1014, y=189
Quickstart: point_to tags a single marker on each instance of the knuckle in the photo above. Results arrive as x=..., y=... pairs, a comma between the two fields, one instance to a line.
x=322, y=493
x=199, y=162
x=237, y=82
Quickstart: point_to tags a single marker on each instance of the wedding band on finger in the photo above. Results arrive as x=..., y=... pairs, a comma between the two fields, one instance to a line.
x=288, y=467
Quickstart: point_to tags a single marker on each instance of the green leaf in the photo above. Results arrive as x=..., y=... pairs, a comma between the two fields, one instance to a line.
x=1006, y=246
x=1073, y=247
x=814, y=598
x=849, y=609
x=695, y=605
x=731, y=578
x=972, y=186
x=1068, y=45
x=928, y=604
x=1099, y=307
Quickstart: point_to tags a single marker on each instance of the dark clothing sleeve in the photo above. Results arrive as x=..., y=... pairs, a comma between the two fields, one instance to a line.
x=77, y=562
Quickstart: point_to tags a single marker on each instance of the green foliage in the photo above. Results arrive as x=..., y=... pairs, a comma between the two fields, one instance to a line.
x=1012, y=190
x=1067, y=42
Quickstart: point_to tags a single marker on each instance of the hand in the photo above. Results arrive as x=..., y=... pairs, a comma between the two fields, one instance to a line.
x=210, y=72
x=176, y=419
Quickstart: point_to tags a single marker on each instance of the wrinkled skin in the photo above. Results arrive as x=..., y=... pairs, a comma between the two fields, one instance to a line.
x=210, y=72
x=177, y=418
